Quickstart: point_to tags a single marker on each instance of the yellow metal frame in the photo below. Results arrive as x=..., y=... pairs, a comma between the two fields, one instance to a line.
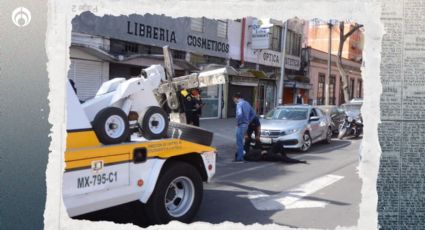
x=83, y=147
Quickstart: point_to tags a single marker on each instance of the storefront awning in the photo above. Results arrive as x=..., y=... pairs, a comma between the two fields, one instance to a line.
x=256, y=74
x=137, y=59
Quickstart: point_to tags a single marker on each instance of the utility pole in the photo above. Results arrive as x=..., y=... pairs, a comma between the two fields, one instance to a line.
x=327, y=79
x=282, y=65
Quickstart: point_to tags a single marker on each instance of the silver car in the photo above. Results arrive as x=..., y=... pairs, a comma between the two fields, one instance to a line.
x=297, y=126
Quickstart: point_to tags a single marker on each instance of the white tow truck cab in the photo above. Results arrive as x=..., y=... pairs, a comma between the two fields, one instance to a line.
x=165, y=174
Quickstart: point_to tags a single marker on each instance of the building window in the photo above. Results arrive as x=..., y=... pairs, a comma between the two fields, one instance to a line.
x=360, y=88
x=352, y=88
x=276, y=32
x=321, y=89
x=222, y=29
x=197, y=24
x=177, y=54
x=121, y=47
x=293, y=43
x=332, y=90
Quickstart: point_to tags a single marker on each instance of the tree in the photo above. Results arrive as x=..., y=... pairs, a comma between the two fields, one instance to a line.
x=342, y=38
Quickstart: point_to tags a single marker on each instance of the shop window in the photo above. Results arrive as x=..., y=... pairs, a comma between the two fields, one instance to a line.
x=276, y=32
x=215, y=60
x=321, y=89
x=197, y=24
x=122, y=47
x=332, y=90
x=131, y=48
x=222, y=29
x=177, y=54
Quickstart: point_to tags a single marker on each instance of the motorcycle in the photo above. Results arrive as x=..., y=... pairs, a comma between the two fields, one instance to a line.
x=351, y=126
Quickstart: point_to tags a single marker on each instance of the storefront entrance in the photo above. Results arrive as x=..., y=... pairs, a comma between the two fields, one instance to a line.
x=247, y=93
x=265, y=97
x=211, y=98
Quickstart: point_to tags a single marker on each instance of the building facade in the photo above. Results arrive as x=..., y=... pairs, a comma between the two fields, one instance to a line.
x=103, y=48
x=316, y=58
x=317, y=70
x=256, y=47
x=108, y=47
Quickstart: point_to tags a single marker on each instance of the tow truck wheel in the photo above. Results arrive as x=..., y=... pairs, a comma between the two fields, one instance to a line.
x=111, y=126
x=177, y=195
x=155, y=123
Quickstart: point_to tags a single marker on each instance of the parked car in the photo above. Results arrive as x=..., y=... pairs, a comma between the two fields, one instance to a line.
x=353, y=106
x=357, y=100
x=297, y=126
x=336, y=114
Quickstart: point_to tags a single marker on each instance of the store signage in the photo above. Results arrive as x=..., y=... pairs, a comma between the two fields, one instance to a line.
x=273, y=58
x=260, y=34
x=207, y=44
x=151, y=32
x=155, y=30
x=269, y=58
x=292, y=62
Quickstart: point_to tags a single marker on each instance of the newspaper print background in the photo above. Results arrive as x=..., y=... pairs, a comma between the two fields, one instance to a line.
x=399, y=163
x=401, y=181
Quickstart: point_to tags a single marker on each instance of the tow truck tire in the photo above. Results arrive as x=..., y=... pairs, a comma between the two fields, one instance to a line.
x=177, y=194
x=111, y=126
x=155, y=123
x=190, y=133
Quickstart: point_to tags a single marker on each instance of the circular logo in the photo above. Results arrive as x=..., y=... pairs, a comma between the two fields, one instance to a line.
x=21, y=17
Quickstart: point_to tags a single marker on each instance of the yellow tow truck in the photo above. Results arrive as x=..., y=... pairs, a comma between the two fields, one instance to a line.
x=110, y=161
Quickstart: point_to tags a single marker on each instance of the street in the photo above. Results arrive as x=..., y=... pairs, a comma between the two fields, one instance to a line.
x=325, y=193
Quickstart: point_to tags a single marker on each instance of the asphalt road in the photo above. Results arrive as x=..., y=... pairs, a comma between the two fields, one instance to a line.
x=325, y=193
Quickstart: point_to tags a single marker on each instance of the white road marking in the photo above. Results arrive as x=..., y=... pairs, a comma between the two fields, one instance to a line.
x=293, y=198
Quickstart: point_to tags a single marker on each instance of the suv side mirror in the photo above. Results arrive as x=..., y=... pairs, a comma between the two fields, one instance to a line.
x=314, y=118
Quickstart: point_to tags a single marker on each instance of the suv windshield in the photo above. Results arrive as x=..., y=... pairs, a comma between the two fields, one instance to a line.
x=287, y=114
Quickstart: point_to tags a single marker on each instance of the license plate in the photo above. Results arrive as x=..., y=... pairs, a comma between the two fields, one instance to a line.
x=86, y=180
x=97, y=180
x=265, y=140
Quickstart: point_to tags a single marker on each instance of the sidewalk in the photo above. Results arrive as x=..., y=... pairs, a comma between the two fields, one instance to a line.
x=224, y=137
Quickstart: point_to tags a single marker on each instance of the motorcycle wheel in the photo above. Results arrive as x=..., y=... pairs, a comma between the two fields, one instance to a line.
x=341, y=133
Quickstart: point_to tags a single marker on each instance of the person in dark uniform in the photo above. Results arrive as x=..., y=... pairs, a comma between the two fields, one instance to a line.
x=188, y=104
x=275, y=153
x=197, y=106
x=254, y=127
x=300, y=99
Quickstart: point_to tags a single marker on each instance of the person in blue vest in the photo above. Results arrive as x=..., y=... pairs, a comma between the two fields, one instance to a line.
x=244, y=115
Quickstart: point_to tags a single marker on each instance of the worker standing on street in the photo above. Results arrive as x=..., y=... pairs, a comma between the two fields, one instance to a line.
x=243, y=113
